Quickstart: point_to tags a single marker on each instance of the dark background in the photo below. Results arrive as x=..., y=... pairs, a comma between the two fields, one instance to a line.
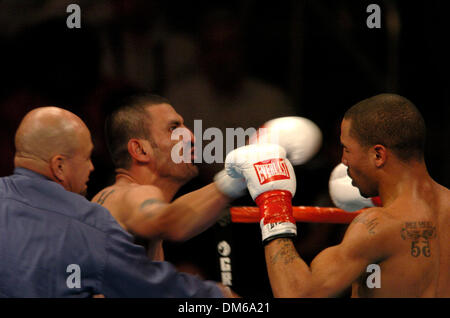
x=319, y=54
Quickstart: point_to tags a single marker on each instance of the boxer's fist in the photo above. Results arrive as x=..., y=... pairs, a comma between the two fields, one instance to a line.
x=346, y=196
x=271, y=183
x=231, y=187
x=299, y=136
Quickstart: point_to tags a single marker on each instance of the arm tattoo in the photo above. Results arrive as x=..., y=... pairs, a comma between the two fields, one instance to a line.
x=286, y=253
x=148, y=202
x=419, y=233
x=104, y=196
x=370, y=223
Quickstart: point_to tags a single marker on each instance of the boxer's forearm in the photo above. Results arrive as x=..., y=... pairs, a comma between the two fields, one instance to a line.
x=194, y=212
x=180, y=220
x=330, y=273
x=289, y=275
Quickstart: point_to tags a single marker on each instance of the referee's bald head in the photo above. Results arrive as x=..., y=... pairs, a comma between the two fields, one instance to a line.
x=46, y=131
x=56, y=143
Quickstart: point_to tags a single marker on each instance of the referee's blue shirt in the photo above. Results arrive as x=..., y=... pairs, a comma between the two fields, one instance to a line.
x=55, y=243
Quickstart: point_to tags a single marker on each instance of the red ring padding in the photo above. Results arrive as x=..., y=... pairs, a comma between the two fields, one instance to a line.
x=310, y=214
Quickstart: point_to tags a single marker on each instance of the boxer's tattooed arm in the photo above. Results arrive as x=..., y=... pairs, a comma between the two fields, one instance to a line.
x=104, y=196
x=420, y=234
x=370, y=222
x=286, y=252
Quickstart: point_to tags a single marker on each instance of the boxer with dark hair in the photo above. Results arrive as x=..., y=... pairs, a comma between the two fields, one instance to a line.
x=54, y=242
x=407, y=238
x=391, y=120
x=130, y=121
x=139, y=137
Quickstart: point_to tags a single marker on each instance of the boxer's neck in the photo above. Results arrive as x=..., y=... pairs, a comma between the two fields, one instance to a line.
x=404, y=180
x=167, y=186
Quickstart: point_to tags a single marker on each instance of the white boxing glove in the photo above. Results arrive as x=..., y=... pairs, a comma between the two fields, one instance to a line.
x=299, y=136
x=231, y=187
x=346, y=196
x=271, y=182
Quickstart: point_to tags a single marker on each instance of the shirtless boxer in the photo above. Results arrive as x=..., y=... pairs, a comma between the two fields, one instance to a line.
x=139, y=140
x=383, y=147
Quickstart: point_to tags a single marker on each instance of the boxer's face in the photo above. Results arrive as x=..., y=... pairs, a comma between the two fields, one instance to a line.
x=164, y=120
x=356, y=158
x=80, y=165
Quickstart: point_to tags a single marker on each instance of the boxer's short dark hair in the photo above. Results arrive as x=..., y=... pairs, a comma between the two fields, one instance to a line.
x=129, y=119
x=390, y=120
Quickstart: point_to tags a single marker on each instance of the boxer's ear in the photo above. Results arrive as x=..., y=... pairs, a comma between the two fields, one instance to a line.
x=140, y=150
x=58, y=168
x=380, y=155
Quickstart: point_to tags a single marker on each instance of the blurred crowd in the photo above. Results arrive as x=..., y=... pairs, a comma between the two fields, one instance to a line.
x=230, y=64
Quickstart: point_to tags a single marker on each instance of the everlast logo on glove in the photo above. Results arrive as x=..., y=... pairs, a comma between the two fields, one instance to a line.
x=271, y=170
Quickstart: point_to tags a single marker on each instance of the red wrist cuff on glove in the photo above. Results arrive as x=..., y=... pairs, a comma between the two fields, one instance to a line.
x=275, y=206
x=276, y=219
